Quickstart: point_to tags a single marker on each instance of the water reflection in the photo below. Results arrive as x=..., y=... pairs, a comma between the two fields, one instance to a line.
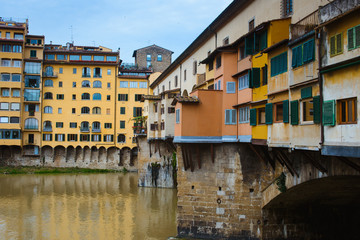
x=96, y=206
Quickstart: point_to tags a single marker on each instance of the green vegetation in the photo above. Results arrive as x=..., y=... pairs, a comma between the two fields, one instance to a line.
x=49, y=170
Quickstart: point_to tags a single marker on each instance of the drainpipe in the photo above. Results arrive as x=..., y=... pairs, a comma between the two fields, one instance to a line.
x=319, y=35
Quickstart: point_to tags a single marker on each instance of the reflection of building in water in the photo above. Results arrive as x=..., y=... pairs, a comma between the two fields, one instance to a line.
x=84, y=207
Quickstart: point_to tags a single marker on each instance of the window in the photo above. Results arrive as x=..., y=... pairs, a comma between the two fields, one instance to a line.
x=108, y=125
x=17, y=48
x=74, y=70
x=59, y=110
x=74, y=97
x=142, y=84
x=176, y=81
x=211, y=65
x=97, y=72
x=50, y=56
x=6, y=48
x=218, y=85
x=185, y=75
x=14, y=120
x=4, y=106
x=287, y=7
x=84, y=126
x=85, y=137
x=244, y=115
x=48, y=83
x=96, y=138
x=133, y=84
x=85, y=96
x=59, y=137
x=97, y=96
x=303, y=53
x=347, y=111
x=73, y=125
x=32, y=81
x=194, y=67
x=74, y=84
x=48, y=109
x=122, y=124
x=353, y=37
x=177, y=115
x=137, y=111
x=60, y=96
x=121, y=138
x=123, y=84
x=243, y=81
x=31, y=123
x=226, y=41
x=261, y=116
x=48, y=95
x=279, y=64
x=4, y=120
x=108, y=85
x=59, y=125
x=33, y=53
x=5, y=92
x=31, y=108
x=47, y=137
x=15, y=107
x=96, y=126
x=122, y=110
x=17, y=63
x=16, y=92
x=16, y=78
x=61, y=57
x=96, y=110
x=108, y=97
x=122, y=97
x=108, y=138
x=18, y=36
x=74, y=58
x=85, y=110
x=138, y=97
x=72, y=137
x=279, y=112
x=85, y=84
x=108, y=111
x=111, y=58
x=5, y=77
x=60, y=83
x=32, y=67
x=307, y=110
x=99, y=58
x=73, y=110
x=251, y=24
x=5, y=62
x=336, y=44
x=218, y=62
x=230, y=116
x=159, y=58
x=97, y=84
x=86, y=57
x=163, y=89
x=148, y=57
x=230, y=87
x=86, y=72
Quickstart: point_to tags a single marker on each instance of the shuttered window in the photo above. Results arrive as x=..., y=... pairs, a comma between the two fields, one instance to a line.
x=279, y=64
x=336, y=45
x=230, y=87
x=269, y=113
x=306, y=92
x=256, y=77
x=316, y=102
x=303, y=53
x=294, y=112
x=329, y=113
x=286, y=111
x=253, y=117
x=230, y=116
x=354, y=37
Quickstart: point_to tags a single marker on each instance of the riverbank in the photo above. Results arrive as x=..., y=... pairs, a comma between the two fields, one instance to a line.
x=50, y=170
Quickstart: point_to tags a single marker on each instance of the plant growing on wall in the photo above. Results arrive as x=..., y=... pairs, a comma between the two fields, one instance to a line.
x=280, y=182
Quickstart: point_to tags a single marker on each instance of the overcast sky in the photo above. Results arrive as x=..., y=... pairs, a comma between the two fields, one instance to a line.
x=128, y=25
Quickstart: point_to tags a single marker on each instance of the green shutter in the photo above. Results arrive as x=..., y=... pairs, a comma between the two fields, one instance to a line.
x=118, y=97
x=305, y=51
x=256, y=77
x=316, y=101
x=357, y=36
x=286, y=111
x=126, y=97
x=339, y=43
x=332, y=45
x=294, y=112
x=249, y=45
x=263, y=40
x=294, y=57
x=251, y=82
x=306, y=92
x=311, y=53
x=253, y=117
x=269, y=113
x=265, y=74
x=329, y=113
x=134, y=112
x=272, y=67
x=351, y=39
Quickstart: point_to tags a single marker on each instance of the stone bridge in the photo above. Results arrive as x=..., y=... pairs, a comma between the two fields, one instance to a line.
x=244, y=191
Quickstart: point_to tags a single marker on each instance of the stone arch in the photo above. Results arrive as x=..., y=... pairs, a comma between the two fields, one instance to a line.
x=124, y=156
x=102, y=154
x=185, y=93
x=133, y=156
x=5, y=155
x=78, y=154
x=111, y=154
x=59, y=155
x=86, y=154
x=70, y=154
x=94, y=154
x=47, y=153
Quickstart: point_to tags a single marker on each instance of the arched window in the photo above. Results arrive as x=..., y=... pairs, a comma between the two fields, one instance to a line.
x=96, y=110
x=47, y=126
x=96, y=126
x=97, y=72
x=85, y=110
x=86, y=72
x=48, y=109
x=49, y=71
x=97, y=84
x=48, y=95
x=85, y=96
x=48, y=83
x=84, y=127
x=31, y=123
x=85, y=83
x=121, y=138
x=97, y=96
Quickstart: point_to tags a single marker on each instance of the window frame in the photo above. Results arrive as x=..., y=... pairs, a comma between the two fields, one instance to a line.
x=276, y=108
x=339, y=110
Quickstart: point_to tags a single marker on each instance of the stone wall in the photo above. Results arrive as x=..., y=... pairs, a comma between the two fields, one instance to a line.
x=157, y=66
x=155, y=163
x=94, y=158
x=221, y=198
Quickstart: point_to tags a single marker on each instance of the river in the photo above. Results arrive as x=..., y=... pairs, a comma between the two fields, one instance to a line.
x=84, y=206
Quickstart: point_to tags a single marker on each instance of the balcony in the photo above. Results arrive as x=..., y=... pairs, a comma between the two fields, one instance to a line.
x=201, y=78
x=304, y=26
x=47, y=129
x=84, y=129
x=31, y=142
x=50, y=74
x=96, y=130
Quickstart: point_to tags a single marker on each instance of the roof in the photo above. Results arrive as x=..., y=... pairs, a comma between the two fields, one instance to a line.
x=150, y=97
x=231, y=11
x=182, y=99
x=151, y=46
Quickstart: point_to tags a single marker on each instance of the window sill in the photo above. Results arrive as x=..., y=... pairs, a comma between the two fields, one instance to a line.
x=347, y=123
x=307, y=123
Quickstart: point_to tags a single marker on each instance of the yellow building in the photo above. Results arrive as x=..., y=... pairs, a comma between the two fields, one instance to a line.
x=12, y=41
x=78, y=107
